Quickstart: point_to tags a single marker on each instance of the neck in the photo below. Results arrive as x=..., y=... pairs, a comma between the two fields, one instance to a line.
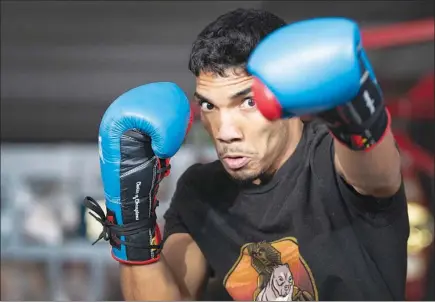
x=295, y=129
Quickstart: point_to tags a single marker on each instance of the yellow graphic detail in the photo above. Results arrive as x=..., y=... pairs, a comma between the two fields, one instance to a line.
x=272, y=271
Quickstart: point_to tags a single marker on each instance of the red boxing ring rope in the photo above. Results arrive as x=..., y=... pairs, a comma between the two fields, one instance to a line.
x=398, y=34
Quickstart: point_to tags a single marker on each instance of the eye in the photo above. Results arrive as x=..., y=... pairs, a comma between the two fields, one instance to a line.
x=206, y=106
x=248, y=103
x=280, y=279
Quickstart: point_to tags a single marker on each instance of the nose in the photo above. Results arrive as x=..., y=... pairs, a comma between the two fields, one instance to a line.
x=287, y=287
x=228, y=132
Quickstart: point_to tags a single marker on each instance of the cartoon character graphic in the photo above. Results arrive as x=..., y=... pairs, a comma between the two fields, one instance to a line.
x=264, y=258
x=271, y=272
x=279, y=287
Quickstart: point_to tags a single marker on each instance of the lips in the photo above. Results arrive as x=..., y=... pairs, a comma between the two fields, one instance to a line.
x=236, y=162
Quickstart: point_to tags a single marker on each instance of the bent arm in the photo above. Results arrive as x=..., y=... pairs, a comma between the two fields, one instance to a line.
x=179, y=275
x=375, y=172
x=149, y=282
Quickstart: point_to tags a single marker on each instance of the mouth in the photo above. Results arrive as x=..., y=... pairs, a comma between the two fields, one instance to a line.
x=236, y=162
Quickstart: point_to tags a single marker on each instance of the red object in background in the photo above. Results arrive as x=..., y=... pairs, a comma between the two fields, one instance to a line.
x=423, y=93
x=418, y=102
x=195, y=109
x=398, y=34
x=421, y=160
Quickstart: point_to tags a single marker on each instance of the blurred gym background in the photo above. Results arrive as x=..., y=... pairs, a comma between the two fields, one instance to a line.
x=63, y=63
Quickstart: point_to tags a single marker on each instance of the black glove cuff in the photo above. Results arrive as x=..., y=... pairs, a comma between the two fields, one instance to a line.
x=366, y=137
x=140, y=237
x=361, y=123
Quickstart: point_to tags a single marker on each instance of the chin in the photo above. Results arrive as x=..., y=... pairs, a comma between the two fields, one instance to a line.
x=244, y=175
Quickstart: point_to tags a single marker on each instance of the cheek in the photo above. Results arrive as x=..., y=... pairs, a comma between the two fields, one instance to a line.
x=208, y=123
x=262, y=133
x=275, y=133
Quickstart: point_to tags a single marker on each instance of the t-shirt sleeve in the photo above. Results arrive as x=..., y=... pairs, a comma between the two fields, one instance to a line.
x=381, y=224
x=173, y=223
x=173, y=216
x=378, y=211
x=371, y=207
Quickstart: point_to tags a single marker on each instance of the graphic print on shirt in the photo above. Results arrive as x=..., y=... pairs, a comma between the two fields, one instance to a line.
x=272, y=271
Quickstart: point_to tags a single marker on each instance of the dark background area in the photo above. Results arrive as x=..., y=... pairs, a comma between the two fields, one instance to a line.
x=63, y=63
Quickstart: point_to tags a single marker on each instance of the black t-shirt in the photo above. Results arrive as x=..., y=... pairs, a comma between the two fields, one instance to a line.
x=305, y=235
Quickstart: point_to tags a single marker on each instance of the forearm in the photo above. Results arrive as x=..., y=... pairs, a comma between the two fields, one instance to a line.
x=152, y=282
x=374, y=172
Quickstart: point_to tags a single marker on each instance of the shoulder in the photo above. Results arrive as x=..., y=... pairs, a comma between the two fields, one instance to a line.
x=201, y=172
x=199, y=188
x=192, y=189
x=316, y=144
x=316, y=134
x=318, y=156
x=203, y=178
x=332, y=184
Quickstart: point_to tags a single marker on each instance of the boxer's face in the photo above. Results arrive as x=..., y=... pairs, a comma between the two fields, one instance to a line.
x=247, y=144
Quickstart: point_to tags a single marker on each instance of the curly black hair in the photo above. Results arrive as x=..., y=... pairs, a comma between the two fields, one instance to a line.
x=228, y=41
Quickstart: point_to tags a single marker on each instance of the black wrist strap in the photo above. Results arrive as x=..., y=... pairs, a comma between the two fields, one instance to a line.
x=112, y=232
x=361, y=123
x=367, y=137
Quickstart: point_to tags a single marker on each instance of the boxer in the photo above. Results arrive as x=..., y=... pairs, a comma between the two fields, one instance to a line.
x=323, y=198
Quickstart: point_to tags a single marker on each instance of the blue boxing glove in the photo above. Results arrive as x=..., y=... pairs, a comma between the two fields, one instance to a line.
x=318, y=67
x=140, y=131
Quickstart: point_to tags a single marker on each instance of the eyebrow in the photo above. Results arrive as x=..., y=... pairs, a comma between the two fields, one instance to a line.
x=234, y=96
x=241, y=93
x=201, y=98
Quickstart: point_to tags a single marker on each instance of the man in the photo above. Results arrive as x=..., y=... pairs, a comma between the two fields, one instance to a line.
x=292, y=210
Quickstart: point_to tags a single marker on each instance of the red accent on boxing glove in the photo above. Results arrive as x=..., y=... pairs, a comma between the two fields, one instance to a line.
x=191, y=117
x=158, y=238
x=266, y=101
